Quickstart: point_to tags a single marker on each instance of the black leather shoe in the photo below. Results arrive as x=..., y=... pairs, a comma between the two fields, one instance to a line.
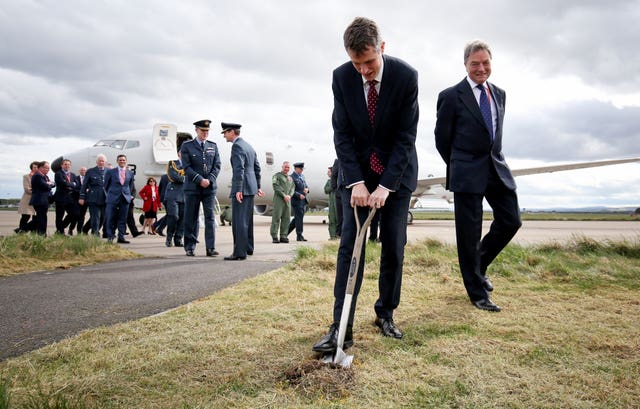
x=275, y=241
x=388, y=328
x=212, y=253
x=301, y=239
x=284, y=240
x=487, y=305
x=136, y=233
x=178, y=243
x=487, y=284
x=123, y=241
x=190, y=253
x=249, y=253
x=160, y=233
x=329, y=342
x=232, y=257
x=168, y=243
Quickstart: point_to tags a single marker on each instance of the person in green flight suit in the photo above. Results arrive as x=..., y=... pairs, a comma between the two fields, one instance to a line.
x=333, y=217
x=283, y=188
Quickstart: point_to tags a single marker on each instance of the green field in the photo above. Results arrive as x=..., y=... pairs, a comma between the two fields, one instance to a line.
x=568, y=337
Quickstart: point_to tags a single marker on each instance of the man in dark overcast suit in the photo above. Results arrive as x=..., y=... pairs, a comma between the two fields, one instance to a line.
x=245, y=184
x=375, y=120
x=468, y=136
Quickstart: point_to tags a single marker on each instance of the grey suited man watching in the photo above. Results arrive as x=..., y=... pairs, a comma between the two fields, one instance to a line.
x=468, y=136
x=245, y=184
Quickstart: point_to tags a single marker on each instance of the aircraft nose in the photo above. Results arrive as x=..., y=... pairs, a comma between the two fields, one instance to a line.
x=56, y=165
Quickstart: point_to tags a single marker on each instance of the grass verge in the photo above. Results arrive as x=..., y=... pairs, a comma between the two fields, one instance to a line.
x=21, y=253
x=568, y=336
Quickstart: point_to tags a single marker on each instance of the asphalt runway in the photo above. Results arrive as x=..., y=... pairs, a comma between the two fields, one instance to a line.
x=39, y=308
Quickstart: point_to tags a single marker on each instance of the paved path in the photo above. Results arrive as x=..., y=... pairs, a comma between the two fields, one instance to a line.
x=43, y=307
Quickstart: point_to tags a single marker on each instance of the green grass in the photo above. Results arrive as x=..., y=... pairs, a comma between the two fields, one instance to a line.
x=428, y=215
x=568, y=337
x=21, y=253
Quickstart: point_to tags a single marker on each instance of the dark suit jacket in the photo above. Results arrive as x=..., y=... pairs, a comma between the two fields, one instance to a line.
x=200, y=165
x=114, y=189
x=64, y=187
x=246, y=169
x=175, y=174
x=464, y=142
x=300, y=184
x=40, y=190
x=92, y=190
x=394, y=132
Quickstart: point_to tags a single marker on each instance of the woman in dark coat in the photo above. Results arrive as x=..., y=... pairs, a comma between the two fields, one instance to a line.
x=40, y=195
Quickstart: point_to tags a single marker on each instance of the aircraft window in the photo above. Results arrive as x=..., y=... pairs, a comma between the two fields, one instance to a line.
x=132, y=144
x=115, y=144
x=269, y=158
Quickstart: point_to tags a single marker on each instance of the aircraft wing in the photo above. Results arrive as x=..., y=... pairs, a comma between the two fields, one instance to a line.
x=435, y=186
x=571, y=166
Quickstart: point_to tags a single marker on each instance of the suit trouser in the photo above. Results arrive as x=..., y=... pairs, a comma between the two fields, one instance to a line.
x=116, y=215
x=96, y=218
x=475, y=254
x=242, y=226
x=298, y=207
x=175, y=220
x=280, y=219
x=393, y=233
x=192, y=200
x=41, y=219
x=62, y=221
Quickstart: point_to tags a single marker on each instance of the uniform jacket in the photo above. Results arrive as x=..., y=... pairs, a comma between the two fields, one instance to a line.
x=64, y=187
x=114, y=189
x=24, y=207
x=175, y=187
x=199, y=164
x=246, y=169
x=300, y=184
x=464, y=142
x=92, y=190
x=393, y=134
x=162, y=187
x=282, y=185
x=40, y=190
x=149, y=204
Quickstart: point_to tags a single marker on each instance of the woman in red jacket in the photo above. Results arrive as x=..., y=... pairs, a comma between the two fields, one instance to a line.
x=151, y=196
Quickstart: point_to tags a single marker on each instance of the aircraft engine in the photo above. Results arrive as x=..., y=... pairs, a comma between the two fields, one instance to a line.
x=263, y=210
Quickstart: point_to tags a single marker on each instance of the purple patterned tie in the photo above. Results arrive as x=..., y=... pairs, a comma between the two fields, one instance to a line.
x=485, y=109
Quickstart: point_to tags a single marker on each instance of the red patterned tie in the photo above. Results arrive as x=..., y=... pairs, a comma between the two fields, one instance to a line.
x=372, y=102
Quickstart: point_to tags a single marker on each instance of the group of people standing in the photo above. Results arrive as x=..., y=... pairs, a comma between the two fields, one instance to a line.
x=375, y=120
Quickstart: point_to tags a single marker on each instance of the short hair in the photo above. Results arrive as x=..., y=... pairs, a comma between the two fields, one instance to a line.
x=65, y=160
x=361, y=34
x=122, y=155
x=34, y=163
x=42, y=163
x=476, y=45
x=101, y=155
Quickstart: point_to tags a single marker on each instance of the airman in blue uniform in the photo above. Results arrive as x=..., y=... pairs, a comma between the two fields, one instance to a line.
x=201, y=165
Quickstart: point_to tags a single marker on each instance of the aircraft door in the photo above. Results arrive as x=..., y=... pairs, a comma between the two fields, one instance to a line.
x=164, y=142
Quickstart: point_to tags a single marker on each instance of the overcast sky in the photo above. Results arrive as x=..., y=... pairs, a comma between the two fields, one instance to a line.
x=73, y=72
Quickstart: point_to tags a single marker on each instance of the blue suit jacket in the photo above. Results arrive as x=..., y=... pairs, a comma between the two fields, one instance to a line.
x=92, y=190
x=246, y=169
x=200, y=165
x=300, y=184
x=464, y=142
x=393, y=134
x=114, y=189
